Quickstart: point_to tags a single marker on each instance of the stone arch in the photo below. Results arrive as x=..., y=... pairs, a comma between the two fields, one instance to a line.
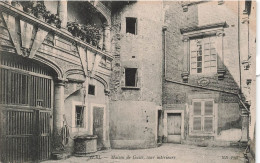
x=73, y=71
x=102, y=81
x=105, y=12
x=80, y=75
x=52, y=65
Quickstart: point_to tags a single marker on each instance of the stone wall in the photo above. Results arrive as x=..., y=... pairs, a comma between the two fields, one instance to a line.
x=142, y=51
x=178, y=95
x=74, y=94
x=133, y=124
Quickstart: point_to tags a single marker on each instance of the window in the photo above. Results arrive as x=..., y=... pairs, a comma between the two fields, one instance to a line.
x=131, y=25
x=202, y=118
x=203, y=55
x=131, y=77
x=91, y=89
x=79, y=116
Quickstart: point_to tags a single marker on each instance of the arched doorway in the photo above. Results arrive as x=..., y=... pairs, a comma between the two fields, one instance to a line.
x=26, y=99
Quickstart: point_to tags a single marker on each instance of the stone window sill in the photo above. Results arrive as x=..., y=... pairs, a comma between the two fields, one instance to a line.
x=201, y=134
x=129, y=87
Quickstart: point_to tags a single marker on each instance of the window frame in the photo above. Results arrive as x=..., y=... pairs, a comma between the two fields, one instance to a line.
x=215, y=29
x=136, y=22
x=203, y=42
x=83, y=113
x=214, y=116
x=94, y=90
x=137, y=79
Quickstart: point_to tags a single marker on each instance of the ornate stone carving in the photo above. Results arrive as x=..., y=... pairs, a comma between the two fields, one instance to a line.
x=221, y=73
x=25, y=52
x=203, y=82
x=49, y=39
x=185, y=77
x=107, y=92
x=185, y=8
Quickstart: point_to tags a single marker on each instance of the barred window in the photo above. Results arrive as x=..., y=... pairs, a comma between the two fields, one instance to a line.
x=79, y=116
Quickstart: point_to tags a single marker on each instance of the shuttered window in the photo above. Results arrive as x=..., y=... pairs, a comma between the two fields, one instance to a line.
x=203, y=55
x=202, y=116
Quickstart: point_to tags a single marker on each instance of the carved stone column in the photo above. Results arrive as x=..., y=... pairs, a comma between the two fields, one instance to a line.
x=62, y=12
x=107, y=139
x=106, y=38
x=186, y=60
x=58, y=113
x=220, y=58
x=245, y=125
x=244, y=37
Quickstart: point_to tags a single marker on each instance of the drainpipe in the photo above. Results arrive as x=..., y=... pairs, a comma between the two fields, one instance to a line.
x=245, y=112
x=238, y=26
x=164, y=51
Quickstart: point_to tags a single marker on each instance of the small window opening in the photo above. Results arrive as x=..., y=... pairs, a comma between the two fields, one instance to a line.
x=131, y=77
x=91, y=89
x=131, y=25
x=79, y=116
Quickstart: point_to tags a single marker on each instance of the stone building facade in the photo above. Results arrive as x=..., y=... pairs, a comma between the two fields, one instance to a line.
x=204, y=45
x=134, y=106
x=159, y=72
x=54, y=85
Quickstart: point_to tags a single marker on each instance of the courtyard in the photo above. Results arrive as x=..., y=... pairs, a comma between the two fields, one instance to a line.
x=166, y=153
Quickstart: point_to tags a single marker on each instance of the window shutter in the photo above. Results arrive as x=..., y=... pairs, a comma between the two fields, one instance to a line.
x=197, y=118
x=202, y=118
x=197, y=123
x=197, y=108
x=208, y=113
x=208, y=107
x=123, y=78
x=208, y=124
x=190, y=118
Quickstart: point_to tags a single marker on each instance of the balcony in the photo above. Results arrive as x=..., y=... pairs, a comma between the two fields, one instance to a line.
x=44, y=33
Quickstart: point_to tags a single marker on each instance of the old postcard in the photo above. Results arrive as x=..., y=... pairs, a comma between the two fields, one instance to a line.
x=127, y=81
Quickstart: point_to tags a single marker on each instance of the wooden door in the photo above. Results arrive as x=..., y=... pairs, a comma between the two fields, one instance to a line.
x=17, y=135
x=25, y=108
x=43, y=134
x=174, y=127
x=98, y=121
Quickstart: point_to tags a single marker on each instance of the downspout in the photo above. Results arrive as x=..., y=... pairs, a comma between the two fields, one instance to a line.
x=239, y=59
x=164, y=51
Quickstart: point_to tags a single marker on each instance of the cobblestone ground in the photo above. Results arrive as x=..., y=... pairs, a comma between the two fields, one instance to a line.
x=172, y=153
